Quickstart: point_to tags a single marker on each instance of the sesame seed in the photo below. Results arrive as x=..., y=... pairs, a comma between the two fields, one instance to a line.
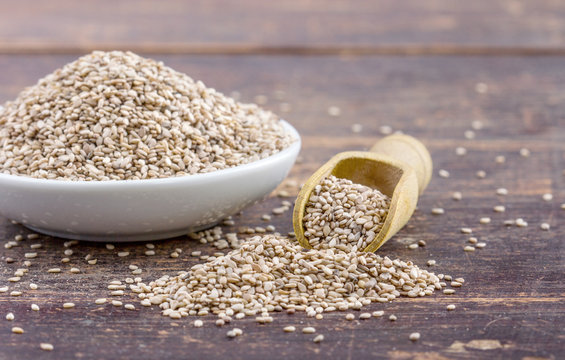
x=356, y=128
x=500, y=159
x=449, y=291
x=68, y=252
x=524, y=152
x=378, y=313
x=481, y=174
x=75, y=270
x=334, y=111
x=117, y=303
x=466, y=230
x=14, y=279
x=100, y=301
x=501, y=191
x=480, y=245
x=385, y=130
x=54, y=270
x=431, y=262
x=110, y=246
x=365, y=316
x=349, y=317
x=460, y=151
x=68, y=305
x=450, y=307
x=46, y=347
x=443, y=173
x=484, y=220
x=438, y=211
x=308, y=330
x=30, y=255
x=457, y=196
x=481, y=88
x=35, y=246
x=392, y=317
x=415, y=336
x=289, y=329
x=413, y=246
x=129, y=307
x=319, y=338
x=16, y=293
x=198, y=323
x=469, y=134
x=469, y=248
x=547, y=197
x=499, y=208
x=563, y=206
x=220, y=322
x=174, y=254
x=521, y=222
x=123, y=253
x=10, y=316
x=544, y=226
x=34, y=307
x=17, y=330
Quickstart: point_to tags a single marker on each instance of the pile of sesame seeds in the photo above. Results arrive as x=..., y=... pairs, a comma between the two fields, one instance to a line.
x=118, y=116
x=344, y=215
x=271, y=273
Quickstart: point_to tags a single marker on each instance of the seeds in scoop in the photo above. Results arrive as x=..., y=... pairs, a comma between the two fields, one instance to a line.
x=17, y=330
x=342, y=214
x=34, y=307
x=450, y=307
x=10, y=316
x=68, y=305
x=308, y=330
x=415, y=336
x=319, y=338
x=289, y=329
x=46, y=347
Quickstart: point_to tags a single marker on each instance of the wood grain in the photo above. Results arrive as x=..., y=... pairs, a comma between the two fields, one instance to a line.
x=513, y=294
x=295, y=26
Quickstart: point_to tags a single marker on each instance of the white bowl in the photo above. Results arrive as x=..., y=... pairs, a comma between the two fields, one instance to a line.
x=135, y=210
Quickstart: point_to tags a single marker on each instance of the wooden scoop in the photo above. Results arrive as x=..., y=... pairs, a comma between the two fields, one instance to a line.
x=399, y=166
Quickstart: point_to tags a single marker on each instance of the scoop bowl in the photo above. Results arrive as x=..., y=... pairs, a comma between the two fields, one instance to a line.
x=137, y=210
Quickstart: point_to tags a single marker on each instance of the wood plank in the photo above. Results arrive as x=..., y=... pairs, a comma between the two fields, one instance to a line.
x=436, y=26
x=513, y=294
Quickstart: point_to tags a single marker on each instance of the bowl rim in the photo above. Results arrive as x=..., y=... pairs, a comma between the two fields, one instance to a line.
x=196, y=178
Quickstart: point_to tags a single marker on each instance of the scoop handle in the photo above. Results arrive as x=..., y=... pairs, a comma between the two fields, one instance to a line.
x=410, y=151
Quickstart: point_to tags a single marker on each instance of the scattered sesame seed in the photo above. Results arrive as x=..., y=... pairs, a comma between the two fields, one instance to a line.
x=3, y=289
x=198, y=323
x=449, y=291
x=499, y=208
x=385, y=130
x=415, y=336
x=438, y=211
x=174, y=254
x=469, y=248
x=110, y=246
x=466, y=230
x=75, y=270
x=501, y=191
x=123, y=253
x=455, y=283
x=356, y=128
x=54, y=270
x=10, y=316
x=481, y=174
x=421, y=243
x=34, y=307
x=334, y=111
x=17, y=330
x=129, y=307
x=46, y=347
x=378, y=313
x=14, y=279
x=92, y=261
x=450, y=307
x=469, y=134
x=289, y=329
x=510, y=222
x=16, y=293
x=392, y=317
x=35, y=246
x=68, y=305
x=544, y=226
x=524, y=152
x=443, y=173
x=457, y=196
x=547, y=197
x=117, y=303
x=349, y=317
x=521, y=222
x=563, y=206
x=365, y=316
x=308, y=330
x=500, y=159
x=319, y=338
x=431, y=262
x=413, y=246
x=100, y=301
x=30, y=255
x=480, y=245
x=220, y=322
x=65, y=260
x=481, y=88
x=460, y=151
x=484, y=220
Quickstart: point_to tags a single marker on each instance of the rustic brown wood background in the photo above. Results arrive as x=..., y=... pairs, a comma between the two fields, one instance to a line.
x=413, y=65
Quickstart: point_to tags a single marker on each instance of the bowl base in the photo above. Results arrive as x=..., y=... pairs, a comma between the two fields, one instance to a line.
x=116, y=238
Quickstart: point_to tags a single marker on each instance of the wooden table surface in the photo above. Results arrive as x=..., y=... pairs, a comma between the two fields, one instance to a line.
x=427, y=68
